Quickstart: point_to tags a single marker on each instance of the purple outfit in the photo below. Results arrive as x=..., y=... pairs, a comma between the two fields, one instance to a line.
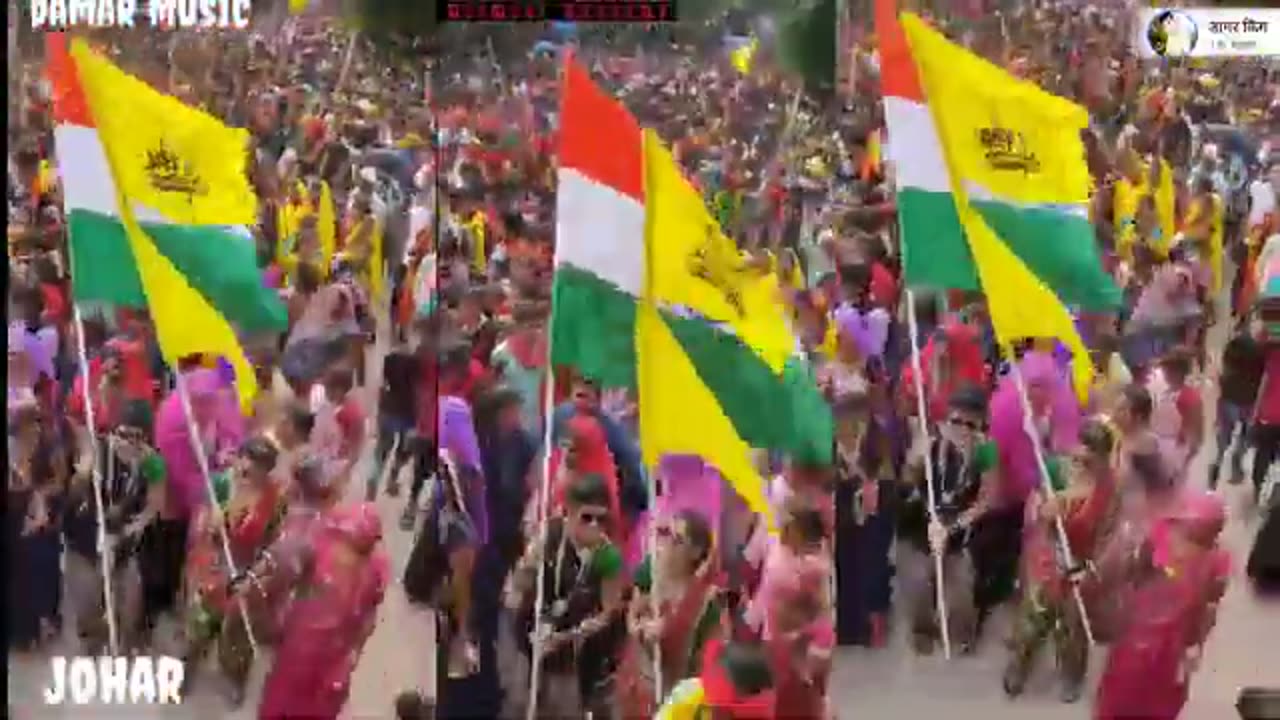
x=459, y=442
x=869, y=330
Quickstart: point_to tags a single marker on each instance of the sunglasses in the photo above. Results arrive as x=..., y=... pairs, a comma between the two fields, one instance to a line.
x=131, y=435
x=964, y=423
x=591, y=518
x=670, y=535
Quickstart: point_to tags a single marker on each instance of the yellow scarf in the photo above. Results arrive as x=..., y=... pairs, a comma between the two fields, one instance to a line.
x=477, y=226
x=370, y=271
x=46, y=178
x=1195, y=215
x=1166, y=213
x=1124, y=213
x=288, y=219
x=327, y=228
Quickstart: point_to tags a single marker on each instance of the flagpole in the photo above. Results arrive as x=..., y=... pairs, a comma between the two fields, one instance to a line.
x=778, y=153
x=1028, y=425
x=197, y=446
x=922, y=420
x=346, y=61
x=544, y=504
x=540, y=592
x=655, y=605
x=104, y=551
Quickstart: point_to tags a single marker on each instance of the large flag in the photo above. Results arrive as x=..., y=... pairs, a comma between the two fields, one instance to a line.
x=934, y=250
x=601, y=270
x=692, y=265
x=145, y=174
x=219, y=261
x=1016, y=168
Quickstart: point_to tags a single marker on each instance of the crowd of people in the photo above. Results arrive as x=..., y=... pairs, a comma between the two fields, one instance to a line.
x=408, y=220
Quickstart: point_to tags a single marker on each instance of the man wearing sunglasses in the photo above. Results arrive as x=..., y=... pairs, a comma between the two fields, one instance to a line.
x=962, y=457
x=133, y=476
x=581, y=608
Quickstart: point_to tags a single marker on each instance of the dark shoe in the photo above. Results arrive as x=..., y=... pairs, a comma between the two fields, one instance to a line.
x=1214, y=470
x=235, y=696
x=188, y=677
x=409, y=517
x=1014, y=681
x=1072, y=691
x=879, y=630
x=922, y=642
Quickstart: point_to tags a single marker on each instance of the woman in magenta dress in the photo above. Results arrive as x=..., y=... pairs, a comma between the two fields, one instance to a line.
x=343, y=583
x=1177, y=579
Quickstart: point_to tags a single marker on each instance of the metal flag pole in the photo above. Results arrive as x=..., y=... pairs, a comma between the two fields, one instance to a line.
x=922, y=420
x=544, y=505
x=104, y=550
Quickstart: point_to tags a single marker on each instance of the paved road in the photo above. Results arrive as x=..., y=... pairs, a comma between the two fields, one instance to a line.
x=867, y=684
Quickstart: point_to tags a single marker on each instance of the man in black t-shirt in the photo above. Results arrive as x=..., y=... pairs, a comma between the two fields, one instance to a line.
x=129, y=469
x=396, y=418
x=959, y=458
x=1243, y=362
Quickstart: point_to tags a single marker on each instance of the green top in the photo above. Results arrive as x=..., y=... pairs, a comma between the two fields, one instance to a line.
x=986, y=457
x=644, y=575
x=222, y=487
x=1057, y=475
x=606, y=562
x=153, y=470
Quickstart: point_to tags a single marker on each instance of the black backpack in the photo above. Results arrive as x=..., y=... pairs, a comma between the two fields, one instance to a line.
x=428, y=566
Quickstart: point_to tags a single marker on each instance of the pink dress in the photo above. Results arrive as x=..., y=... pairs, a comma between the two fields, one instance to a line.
x=1165, y=614
x=330, y=619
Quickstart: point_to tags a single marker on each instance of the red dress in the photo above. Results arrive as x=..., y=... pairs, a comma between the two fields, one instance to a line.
x=1166, y=613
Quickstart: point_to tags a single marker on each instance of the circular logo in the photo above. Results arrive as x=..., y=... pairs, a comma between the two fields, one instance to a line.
x=1172, y=33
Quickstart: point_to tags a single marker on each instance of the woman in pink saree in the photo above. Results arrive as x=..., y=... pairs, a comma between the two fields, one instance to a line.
x=217, y=416
x=1178, y=577
x=343, y=584
x=1056, y=413
x=1058, y=417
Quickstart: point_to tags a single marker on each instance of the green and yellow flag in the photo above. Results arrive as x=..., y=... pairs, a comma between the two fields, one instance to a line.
x=1016, y=163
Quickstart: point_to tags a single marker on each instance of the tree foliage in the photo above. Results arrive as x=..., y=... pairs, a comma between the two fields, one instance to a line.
x=398, y=26
x=807, y=45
